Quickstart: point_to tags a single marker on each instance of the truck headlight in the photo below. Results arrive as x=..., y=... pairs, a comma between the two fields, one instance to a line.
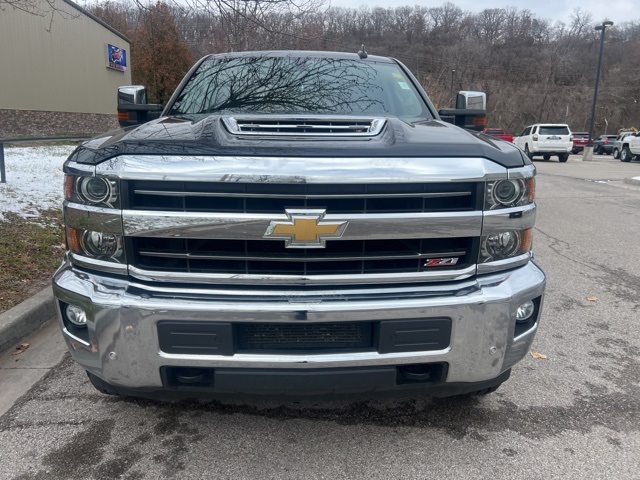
x=510, y=193
x=504, y=245
x=98, y=245
x=95, y=189
x=88, y=190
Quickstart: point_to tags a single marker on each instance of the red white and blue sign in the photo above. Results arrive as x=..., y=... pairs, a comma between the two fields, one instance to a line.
x=117, y=58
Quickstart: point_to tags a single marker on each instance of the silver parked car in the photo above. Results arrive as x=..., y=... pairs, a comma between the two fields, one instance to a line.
x=617, y=144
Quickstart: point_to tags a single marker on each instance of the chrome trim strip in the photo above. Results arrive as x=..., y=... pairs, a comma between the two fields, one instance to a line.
x=73, y=168
x=87, y=217
x=74, y=338
x=241, y=226
x=267, y=258
x=319, y=359
x=182, y=277
x=102, y=265
x=531, y=331
x=505, y=219
x=491, y=267
x=302, y=170
x=306, y=296
x=321, y=197
x=527, y=171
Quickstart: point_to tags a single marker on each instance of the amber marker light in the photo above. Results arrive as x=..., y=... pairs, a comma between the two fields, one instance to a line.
x=479, y=120
x=527, y=240
x=73, y=243
x=68, y=187
x=532, y=188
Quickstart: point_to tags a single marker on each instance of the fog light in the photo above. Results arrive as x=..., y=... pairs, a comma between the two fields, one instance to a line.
x=76, y=316
x=525, y=311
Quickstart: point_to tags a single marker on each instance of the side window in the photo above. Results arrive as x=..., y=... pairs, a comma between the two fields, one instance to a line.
x=526, y=132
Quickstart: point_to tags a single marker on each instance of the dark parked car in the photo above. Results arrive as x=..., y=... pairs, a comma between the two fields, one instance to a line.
x=604, y=144
x=580, y=140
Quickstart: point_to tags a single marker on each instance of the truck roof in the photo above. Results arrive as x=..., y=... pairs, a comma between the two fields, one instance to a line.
x=303, y=53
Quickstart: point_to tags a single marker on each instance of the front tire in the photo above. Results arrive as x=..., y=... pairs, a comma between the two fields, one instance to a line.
x=563, y=157
x=625, y=154
x=616, y=153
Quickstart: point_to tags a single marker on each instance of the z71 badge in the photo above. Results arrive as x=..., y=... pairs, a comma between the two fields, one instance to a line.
x=441, y=262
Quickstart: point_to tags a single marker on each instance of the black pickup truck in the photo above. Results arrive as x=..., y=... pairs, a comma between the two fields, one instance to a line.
x=298, y=223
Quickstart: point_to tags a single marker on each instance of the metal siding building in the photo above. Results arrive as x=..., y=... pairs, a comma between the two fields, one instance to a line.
x=55, y=69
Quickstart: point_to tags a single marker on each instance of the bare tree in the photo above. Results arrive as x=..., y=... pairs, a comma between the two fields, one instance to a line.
x=40, y=8
x=531, y=69
x=161, y=56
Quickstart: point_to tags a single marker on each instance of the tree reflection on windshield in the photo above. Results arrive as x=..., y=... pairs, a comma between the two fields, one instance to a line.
x=295, y=85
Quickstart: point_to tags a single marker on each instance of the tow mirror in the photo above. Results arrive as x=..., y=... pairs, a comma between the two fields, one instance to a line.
x=133, y=108
x=470, y=111
x=471, y=100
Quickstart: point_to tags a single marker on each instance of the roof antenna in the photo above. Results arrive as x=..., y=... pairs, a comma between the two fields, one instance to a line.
x=362, y=53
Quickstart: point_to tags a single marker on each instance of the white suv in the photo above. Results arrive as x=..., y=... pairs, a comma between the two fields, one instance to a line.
x=630, y=147
x=617, y=144
x=546, y=139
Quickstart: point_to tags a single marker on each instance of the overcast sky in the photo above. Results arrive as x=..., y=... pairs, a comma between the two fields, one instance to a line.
x=617, y=11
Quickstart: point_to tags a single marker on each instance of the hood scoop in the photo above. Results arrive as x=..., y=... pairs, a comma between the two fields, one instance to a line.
x=307, y=126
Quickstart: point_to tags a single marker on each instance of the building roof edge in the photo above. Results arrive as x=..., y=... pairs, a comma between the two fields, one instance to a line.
x=96, y=19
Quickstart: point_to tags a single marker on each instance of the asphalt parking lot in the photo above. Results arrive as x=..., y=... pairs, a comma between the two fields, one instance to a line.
x=573, y=414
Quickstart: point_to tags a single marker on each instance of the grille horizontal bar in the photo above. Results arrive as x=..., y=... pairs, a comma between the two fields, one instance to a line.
x=272, y=257
x=275, y=198
x=298, y=197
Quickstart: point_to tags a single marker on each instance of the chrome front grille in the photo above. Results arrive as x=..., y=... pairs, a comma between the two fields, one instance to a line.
x=274, y=198
x=218, y=248
x=270, y=257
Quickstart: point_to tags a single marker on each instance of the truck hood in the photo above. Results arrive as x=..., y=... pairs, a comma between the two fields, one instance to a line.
x=208, y=136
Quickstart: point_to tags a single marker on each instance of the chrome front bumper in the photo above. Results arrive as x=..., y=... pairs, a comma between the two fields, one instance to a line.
x=122, y=345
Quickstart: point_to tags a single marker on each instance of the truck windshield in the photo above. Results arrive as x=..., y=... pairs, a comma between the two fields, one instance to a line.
x=300, y=85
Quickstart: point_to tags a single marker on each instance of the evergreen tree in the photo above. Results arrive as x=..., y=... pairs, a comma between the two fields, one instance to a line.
x=160, y=58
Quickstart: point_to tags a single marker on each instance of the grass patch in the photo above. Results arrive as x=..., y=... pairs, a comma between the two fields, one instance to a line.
x=30, y=251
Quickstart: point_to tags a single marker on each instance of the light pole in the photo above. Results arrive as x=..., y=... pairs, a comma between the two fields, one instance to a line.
x=587, y=154
x=453, y=103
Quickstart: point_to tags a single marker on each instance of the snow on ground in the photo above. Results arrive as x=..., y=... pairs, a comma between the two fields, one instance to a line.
x=34, y=179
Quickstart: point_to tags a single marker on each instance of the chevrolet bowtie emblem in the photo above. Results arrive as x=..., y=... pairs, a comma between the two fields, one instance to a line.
x=305, y=229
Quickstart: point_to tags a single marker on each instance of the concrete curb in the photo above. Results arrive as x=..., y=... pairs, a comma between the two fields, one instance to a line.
x=25, y=318
x=632, y=181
